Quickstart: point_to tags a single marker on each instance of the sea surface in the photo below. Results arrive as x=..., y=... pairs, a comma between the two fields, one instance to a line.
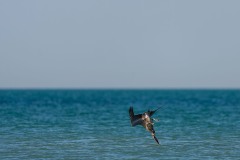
x=94, y=124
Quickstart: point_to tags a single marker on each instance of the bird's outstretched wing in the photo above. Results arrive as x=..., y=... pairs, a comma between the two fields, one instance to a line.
x=135, y=119
x=152, y=112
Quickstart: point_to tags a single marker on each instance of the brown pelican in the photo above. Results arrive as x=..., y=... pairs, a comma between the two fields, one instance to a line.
x=145, y=120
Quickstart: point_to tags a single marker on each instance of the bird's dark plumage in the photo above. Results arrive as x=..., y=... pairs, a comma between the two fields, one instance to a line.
x=144, y=120
x=135, y=119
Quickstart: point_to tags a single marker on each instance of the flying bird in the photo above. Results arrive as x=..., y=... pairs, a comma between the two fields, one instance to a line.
x=145, y=120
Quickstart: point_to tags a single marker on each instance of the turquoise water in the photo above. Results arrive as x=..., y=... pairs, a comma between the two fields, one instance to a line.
x=94, y=124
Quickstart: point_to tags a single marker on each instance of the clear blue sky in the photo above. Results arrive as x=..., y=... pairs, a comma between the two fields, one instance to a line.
x=119, y=44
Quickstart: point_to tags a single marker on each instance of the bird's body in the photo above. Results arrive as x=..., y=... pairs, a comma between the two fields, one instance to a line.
x=143, y=119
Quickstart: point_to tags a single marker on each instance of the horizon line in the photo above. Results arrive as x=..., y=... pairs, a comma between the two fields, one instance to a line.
x=119, y=88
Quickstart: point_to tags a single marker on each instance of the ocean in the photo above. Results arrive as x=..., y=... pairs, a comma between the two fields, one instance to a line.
x=94, y=124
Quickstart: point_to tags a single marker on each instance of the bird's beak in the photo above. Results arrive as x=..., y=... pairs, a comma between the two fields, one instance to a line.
x=156, y=139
